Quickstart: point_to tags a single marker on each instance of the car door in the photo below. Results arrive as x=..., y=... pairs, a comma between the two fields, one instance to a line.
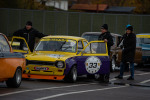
x=20, y=45
x=93, y=59
x=4, y=50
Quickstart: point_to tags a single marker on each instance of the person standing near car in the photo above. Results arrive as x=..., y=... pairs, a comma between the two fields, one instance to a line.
x=128, y=52
x=29, y=34
x=106, y=36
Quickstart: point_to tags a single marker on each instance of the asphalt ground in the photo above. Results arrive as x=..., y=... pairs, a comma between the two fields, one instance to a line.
x=83, y=89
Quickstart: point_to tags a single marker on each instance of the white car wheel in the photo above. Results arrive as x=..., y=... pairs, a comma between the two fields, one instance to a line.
x=113, y=61
x=16, y=80
x=72, y=75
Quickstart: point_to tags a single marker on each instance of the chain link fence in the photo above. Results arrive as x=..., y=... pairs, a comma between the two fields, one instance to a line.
x=70, y=23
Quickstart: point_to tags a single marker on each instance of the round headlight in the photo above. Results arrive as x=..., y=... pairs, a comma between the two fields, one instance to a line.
x=27, y=68
x=60, y=64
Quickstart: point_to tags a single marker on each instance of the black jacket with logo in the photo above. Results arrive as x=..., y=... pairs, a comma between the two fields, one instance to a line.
x=29, y=35
x=107, y=36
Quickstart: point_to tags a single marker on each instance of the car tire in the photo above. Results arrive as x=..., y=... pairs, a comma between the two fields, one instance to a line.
x=93, y=76
x=113, y=64
x=16, y=80
x=104, y=78
x=72, y=76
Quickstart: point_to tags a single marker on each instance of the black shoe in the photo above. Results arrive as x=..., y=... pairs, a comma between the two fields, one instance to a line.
x=130, y=78
x=119, y=77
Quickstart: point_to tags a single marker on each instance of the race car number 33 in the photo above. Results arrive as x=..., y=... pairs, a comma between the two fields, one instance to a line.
x=92, y=64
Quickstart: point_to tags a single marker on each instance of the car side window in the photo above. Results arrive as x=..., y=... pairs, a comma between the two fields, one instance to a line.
x=114, y=40
x=119, y=40
x=100, y=47
x=96, y=48
x=4, y=46
x=19, y=44
x=87, y=49
x=80, y=46
x=85, y=43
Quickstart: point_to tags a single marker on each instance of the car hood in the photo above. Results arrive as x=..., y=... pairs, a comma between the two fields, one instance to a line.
x=49, y=56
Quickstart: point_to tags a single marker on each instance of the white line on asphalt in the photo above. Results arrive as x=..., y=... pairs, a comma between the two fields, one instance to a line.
x=145, y=81
x=129, y=75
x=5, y=94
x=69, y=93
x=44, y=89
x=142, y=74
x=62, y=94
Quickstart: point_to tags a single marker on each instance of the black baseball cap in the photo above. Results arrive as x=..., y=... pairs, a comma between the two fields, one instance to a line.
x=29, y=23
x=105, y=26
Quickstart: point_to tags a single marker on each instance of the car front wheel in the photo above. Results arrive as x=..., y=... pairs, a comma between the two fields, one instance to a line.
x=104, y=78
x=16, y=80
x=72, y=76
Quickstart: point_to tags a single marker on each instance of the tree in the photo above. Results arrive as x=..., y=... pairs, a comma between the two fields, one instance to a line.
x=142, y=6
x=22, y=4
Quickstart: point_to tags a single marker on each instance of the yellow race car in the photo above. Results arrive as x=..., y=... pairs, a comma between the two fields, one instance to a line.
x=66, y=57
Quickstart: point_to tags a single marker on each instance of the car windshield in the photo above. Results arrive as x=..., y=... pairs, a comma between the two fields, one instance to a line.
x=64, y=45
x=90, y=37
x=4, y=46
x=143, y=40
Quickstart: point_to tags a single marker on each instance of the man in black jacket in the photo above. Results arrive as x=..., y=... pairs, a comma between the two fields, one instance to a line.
x=106, y=36
x=29, y=34
x=128, y=52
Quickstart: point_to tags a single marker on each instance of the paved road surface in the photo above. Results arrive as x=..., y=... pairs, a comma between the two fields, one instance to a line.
x=83, y=89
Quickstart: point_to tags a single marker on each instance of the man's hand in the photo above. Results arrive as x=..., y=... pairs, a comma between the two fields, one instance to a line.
x=105, y=40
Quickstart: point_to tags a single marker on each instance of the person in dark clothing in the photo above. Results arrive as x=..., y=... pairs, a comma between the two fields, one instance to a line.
x=128, y=52
x=29, y=34
x=106, y=36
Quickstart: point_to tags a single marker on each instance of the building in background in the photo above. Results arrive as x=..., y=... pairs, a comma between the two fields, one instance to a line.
x=117, y=9
x=90, y=7
x=58, y=4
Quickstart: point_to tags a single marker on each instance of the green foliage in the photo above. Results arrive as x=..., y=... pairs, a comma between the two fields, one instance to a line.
x=142, y=6
x=21, y=4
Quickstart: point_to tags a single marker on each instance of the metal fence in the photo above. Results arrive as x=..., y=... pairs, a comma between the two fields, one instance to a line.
x=70, y=23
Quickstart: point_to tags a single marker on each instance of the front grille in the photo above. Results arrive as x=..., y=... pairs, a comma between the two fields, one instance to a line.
x=146, y=53
x=40, y=62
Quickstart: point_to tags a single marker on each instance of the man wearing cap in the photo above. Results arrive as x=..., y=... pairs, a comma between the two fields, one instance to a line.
x=29, y=34
x=128, y=52
x=106, y=36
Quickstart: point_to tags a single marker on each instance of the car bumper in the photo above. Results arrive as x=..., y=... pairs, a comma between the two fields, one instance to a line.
x=48, y=77
x=44, y=70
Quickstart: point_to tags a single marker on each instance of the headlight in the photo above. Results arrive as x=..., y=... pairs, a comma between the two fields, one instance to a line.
x=27, y=68
x=60, y=64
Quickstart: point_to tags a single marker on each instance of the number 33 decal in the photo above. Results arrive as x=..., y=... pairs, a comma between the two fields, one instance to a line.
x=92, y=64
